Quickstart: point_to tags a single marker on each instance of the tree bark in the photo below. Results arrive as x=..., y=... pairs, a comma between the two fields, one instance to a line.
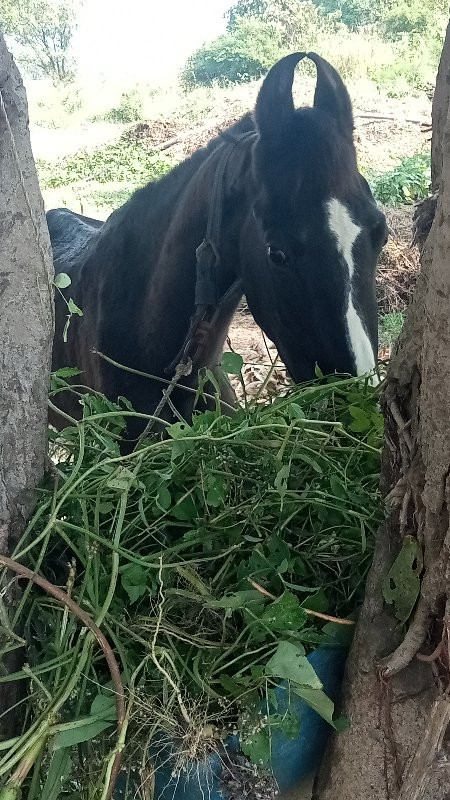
x=26, y=329
x=398, y=704
x=439, y=113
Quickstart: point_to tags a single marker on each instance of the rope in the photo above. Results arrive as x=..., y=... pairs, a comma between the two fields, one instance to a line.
x=183, y=369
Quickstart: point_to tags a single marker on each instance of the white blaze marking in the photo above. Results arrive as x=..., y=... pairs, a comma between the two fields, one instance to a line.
x=346, y=233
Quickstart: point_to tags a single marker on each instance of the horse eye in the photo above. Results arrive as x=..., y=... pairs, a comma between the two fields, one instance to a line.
x=276, y=256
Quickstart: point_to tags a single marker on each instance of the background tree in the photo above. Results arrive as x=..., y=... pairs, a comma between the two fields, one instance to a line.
x=397, y=685
x=392, y=19
x=295, y=20
x=243, y=54
x=26, y=332
x=43, y=31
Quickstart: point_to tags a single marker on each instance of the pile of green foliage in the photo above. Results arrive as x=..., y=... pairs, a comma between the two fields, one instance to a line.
x=125, y=160
x=406, y=184
x=206, y=559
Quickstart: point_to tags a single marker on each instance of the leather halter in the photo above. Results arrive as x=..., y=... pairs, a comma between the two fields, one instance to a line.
x=207, y=305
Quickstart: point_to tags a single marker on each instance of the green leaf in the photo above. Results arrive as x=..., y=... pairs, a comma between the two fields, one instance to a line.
x=73, y=308
x=289, y=663
x=337, y=487
x=185, y=509
x=296, y=412
x=66, y=372
x=316, y=699
x=82, y=733
x=256, y=747
x=232, y=363
x=289, y=724
x=339, y=634
x=301, y=456
x=216, y=492
x=317, y=602
x=105, y=706
x=282, y=479
x=402, y=584
x=231, y=687
x=178, y=430
x=59, y=770
x=122, y=480
x=62, y=280
x=163, y=497
x=361, y=422
x=134, y=581
x=284, y=614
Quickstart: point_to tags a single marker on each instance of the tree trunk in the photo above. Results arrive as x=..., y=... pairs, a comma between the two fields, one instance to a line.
x=26, y=328
x=397, y=702
x=439, y=113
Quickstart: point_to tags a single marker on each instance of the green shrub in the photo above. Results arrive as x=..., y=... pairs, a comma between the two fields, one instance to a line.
x=246, y=53
x=407, y=183
x=129, y=108
x=121, y=161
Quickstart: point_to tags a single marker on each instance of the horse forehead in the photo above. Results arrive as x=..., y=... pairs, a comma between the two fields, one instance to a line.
x=344, y=229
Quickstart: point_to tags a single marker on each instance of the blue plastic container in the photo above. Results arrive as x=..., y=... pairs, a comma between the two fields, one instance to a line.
x=293, y=760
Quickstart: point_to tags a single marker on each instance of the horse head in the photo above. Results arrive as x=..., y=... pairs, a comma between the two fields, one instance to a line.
x=313, y=234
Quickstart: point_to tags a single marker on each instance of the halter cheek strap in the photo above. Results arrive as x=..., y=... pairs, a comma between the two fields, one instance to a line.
x=208, y=307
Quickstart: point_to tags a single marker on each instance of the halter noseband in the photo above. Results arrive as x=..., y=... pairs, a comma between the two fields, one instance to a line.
x=207, y=306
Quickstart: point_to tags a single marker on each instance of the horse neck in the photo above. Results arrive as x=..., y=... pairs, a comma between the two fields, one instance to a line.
x=174, y=275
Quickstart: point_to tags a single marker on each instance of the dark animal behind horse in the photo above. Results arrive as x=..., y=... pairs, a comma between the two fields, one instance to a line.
x=296, y=229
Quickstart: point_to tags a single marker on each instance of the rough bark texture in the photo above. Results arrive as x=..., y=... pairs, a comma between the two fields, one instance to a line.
x=439, y=113
x=26, y=322
x=398, y=705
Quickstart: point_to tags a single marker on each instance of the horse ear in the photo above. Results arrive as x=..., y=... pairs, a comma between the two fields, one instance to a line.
x=275, y=103
x=331, y=94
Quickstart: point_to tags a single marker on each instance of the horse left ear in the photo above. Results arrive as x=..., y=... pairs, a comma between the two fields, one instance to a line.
x=331, y=95
x=275, y=104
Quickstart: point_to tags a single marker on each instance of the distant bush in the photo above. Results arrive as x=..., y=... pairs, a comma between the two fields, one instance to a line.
x=122, y=161
x=243, y=55
x=129, y=108
x=407, y=183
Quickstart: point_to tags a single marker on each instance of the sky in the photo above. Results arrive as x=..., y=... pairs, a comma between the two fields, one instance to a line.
x=148, y=39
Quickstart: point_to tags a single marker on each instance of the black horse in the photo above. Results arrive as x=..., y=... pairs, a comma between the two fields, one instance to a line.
x=284, y=216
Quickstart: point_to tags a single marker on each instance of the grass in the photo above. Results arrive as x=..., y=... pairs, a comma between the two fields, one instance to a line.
x=390, y=327
x=125, y=160
x=204, y=558
x=112, y=198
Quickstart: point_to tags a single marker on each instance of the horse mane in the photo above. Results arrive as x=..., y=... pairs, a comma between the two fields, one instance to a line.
x=158, y=196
